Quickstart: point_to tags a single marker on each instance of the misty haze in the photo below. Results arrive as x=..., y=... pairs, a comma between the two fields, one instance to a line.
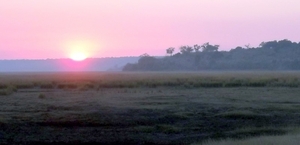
x=150, y=72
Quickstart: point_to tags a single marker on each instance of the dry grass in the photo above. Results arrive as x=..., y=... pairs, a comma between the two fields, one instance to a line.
x=289, y=139
x=91, y=80
x=143, y=114
x=153, y=108
x=8, y=90
x=42, y=96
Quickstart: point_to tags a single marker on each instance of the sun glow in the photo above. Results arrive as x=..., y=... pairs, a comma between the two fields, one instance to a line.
x=78, y=56
x=80, y=50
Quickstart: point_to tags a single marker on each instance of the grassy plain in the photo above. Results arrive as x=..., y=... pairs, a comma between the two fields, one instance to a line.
x=146, y=108
x=289, y=139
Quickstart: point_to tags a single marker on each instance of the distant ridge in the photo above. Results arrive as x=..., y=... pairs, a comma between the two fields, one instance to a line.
x=65, y=64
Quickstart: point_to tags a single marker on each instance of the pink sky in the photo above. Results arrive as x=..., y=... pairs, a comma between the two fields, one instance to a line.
x=40, y=29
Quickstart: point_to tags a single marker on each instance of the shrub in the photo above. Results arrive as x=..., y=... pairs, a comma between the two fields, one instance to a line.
x=256, y=84
x=24, y=86
x=3, y=86
x=168, y=129
x=233, y=84
x=72, y=86
x=8, y=91
x=42, y=96
x=47, y=86
x=207, y=84
x=89, y=85
x=67, y=86
x=3, y=92
x=61, y=86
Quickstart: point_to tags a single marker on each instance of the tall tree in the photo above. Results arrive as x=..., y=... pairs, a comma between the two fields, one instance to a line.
x=206, y=47
x=197, y=48
x=170, y=50
x=186, y=49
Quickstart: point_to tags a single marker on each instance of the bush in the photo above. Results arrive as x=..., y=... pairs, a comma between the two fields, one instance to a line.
x=3, y=86
x=42, y=96
x=207, y=84
x=24, y=86
x=256, y=84
x=67, y=86
x=3, y=92
x=47, y=86
x=8, y=91
x=233, y=84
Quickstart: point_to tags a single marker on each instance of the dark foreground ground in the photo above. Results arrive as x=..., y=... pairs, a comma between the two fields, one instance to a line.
x=162, y=115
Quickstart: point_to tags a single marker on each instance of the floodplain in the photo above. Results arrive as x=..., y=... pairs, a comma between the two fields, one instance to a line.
x=147, y=108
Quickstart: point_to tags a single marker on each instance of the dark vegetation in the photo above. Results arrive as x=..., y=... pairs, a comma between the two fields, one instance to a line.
x=146, y=108
x=272, y=55
x=148, y=80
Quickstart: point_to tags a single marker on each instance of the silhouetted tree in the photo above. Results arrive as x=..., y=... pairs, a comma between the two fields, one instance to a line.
x=185, y=49
x=270, y=55
x=268, y=45
x=145, y=55
x=170, y=50
x=206, y=47
x=197, y=48
x=247, y=46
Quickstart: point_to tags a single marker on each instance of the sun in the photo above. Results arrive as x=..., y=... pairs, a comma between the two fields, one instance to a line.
x=78, y=56
x=80, y=49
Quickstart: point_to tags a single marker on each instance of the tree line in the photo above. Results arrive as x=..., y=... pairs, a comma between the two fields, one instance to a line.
x=271, y=55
